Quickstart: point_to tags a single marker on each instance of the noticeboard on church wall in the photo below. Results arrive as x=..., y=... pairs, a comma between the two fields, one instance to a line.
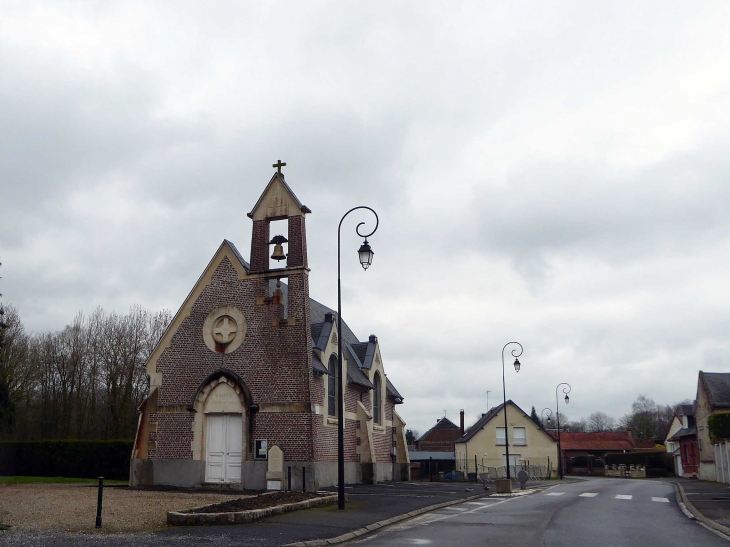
x=261, y=450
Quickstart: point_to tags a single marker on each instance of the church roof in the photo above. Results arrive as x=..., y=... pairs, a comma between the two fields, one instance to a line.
x=237, y=254
x=390, y=390
x=317, y=365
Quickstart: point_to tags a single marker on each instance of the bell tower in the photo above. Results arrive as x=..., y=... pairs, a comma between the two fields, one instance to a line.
x=278, y=202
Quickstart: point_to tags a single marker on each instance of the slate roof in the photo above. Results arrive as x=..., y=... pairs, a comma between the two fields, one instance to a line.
x=687, y=410
x=595, y=441
x=317, y=365
x=717, y=386
x=686, y=432
x=246, y=265
x=360, y=350
x=390, y=390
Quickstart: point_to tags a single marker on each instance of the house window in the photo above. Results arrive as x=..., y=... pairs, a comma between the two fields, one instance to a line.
x=501, y=441
x=377, y=400
x=332, y=387
x=519, y=436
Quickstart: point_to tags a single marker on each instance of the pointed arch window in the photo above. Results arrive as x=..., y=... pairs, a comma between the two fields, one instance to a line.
x=377, y=400
x=332, y=387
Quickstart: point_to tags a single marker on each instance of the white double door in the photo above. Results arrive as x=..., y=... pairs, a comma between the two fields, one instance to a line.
x=223, y=448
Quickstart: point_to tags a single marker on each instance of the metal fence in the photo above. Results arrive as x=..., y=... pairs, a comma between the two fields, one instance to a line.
x=722, y=462
x=468, y=468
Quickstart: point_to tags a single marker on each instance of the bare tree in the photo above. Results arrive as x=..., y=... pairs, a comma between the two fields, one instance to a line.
x=600, y=422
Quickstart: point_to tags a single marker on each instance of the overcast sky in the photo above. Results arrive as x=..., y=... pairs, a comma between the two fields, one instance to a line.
x=555, y=173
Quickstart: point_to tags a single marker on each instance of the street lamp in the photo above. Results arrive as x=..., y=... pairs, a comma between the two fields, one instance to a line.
x=566, y=390
x=549, y=417
x=365, y=255
x=504, y=393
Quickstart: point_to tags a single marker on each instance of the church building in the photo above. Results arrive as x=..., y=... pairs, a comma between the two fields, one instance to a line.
x=243, y=383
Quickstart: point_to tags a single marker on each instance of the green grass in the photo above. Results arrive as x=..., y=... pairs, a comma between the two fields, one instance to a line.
x=54, y=480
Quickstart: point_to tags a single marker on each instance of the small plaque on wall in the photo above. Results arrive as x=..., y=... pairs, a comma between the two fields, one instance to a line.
x=261, y=450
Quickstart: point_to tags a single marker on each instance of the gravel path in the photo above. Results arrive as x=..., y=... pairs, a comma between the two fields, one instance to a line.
x=72, y=507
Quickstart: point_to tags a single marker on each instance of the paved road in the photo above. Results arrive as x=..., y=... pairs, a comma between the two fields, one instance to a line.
x=367, y=504
x=595, y=512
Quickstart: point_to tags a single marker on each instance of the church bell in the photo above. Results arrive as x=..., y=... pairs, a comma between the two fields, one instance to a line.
x=278, y=253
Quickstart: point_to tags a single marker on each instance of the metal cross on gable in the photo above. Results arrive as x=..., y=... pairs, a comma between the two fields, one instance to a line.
x=279, y=165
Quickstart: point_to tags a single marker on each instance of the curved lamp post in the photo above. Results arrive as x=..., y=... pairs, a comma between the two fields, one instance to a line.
x=549, y=416
x=566, y=390
x=365, y=254
x=515, y=354
x=549, y=423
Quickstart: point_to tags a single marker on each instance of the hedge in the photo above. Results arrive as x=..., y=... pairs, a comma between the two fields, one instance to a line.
x=719, y=427
x=77, y=459
x=658, y=464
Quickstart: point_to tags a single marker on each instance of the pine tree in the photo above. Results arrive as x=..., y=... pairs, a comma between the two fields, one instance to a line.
x=534, y=417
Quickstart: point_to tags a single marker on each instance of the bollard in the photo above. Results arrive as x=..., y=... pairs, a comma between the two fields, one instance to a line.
x=288, y=480
x=98, y=502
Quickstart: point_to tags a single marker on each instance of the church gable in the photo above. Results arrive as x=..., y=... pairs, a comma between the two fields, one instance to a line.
x=226, y=252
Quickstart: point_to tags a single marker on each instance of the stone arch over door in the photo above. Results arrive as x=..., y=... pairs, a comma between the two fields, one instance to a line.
x=221, y=427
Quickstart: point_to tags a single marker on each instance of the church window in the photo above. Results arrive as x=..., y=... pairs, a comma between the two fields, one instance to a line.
x=332, y=387
x=377, y=398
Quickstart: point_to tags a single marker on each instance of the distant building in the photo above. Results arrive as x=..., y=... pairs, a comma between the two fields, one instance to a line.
x=483, y=444
x=683, y=441
x=584, y=453
x=433, y=451
x=713, y=397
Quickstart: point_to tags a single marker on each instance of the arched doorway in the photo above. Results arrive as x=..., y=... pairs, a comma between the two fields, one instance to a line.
x=222, y=410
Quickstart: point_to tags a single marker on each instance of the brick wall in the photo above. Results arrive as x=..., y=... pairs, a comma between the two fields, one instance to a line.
x=174, y=436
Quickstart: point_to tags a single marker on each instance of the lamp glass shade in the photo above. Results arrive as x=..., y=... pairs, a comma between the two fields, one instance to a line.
x=517, y=365
x=365, y=253
x=567, y=399
x=549, y=420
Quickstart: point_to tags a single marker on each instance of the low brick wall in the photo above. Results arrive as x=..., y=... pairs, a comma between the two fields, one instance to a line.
x=175, y=518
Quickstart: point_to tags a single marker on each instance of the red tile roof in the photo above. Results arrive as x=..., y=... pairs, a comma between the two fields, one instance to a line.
x=595, y=441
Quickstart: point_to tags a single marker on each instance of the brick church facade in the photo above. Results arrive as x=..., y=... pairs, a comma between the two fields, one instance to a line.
x=248, y=363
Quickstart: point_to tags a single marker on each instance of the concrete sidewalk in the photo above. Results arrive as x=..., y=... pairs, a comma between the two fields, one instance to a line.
x=709, y=502
x=369, y=508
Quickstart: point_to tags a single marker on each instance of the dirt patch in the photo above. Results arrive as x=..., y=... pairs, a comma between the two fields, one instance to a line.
x=72, y=507
x=262, y=501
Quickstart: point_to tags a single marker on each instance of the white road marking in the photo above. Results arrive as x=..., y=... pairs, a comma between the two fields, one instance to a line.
x=663, y=500
x=555, y=493
x=624, y=497
x=477, y=503
x=589, y=495
x=455, y=508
